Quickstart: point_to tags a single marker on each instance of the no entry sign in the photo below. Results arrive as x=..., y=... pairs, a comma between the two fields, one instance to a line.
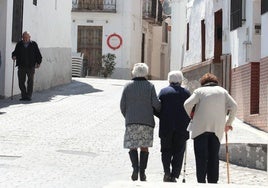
x=114, y=41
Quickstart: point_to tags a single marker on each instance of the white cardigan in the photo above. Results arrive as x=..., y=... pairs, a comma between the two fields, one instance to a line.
x=212, y=105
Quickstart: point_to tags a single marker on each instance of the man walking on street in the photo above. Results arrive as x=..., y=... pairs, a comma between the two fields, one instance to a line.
x=173, y=124
x=28, y=57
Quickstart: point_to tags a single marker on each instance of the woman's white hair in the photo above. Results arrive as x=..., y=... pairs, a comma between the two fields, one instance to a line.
x=175, y=77
x=140, y=70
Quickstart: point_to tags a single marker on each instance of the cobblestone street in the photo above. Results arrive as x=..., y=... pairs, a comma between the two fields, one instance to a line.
x=72, y=136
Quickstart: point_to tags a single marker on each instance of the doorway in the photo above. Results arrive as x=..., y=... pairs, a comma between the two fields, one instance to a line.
x=218, y=37
x=89, y=42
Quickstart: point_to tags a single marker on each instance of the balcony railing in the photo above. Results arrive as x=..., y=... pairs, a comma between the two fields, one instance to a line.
x=149, y=9
x=94, y=6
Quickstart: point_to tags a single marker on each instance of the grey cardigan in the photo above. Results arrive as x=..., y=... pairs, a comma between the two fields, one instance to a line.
x=138, y=102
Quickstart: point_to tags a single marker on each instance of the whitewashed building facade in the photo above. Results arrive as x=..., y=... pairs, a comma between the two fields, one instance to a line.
x=49, y=23
x=229, y=39
x=156, y=29
x=130, y=29
x=107, y=26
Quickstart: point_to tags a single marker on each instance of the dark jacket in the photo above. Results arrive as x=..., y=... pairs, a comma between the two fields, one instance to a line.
x=173, y=116
x=27, y=57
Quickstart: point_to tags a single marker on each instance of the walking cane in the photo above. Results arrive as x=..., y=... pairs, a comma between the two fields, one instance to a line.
x=184, y=168
x=12, y=79
x=227, y=157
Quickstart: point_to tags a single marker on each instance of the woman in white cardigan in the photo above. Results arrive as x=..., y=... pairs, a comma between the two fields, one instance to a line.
x=211, y=104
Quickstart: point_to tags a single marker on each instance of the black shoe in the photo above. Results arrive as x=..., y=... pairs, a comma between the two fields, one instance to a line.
x=166, y=178
x=142, y=176
x=134, y=175
x=169, y=178
x=173, y=179
x=143, y=164
x=133, y=154
x=28, y=99
x=25, y=99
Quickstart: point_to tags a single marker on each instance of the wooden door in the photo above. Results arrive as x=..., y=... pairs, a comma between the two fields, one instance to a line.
x=218, y=36
x=203, y=41
x=90, y=43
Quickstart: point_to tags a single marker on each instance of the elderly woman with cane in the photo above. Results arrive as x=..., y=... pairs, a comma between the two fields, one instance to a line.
x=138, y=104
x=212, y=104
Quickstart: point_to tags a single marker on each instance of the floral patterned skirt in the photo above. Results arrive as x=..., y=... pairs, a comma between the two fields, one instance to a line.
x=137, y=135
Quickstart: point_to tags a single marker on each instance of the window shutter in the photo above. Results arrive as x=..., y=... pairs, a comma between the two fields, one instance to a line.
x=17, y=20
x=236, y=14
x=264, y=6
x=154, y=4
x=160, y=10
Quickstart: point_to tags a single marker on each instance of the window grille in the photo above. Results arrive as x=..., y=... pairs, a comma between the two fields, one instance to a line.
x=236, y=14
x=17, y=20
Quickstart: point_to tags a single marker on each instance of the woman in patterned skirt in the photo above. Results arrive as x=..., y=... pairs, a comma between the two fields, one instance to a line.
x=138, y=104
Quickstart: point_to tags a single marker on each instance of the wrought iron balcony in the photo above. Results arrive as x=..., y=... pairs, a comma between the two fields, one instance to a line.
x=152, y=10
x=148, y=9
x=94, y=6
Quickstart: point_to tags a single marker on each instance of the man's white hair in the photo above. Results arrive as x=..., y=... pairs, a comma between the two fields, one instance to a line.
x=175, y=77
x=26, y=33
x=140, y=70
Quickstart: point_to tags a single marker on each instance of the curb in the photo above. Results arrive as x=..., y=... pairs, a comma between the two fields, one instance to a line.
x=251, y=155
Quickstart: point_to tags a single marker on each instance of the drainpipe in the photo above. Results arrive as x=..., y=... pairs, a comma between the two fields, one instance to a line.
x=182, y=55
x=247, y=43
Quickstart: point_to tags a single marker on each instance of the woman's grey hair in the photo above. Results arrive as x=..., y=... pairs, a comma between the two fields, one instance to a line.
x=175, y=77
x=140, y=70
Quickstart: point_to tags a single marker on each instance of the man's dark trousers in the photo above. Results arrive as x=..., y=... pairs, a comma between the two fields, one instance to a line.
x=206, y=148
x=26, y=92
x=172, y=149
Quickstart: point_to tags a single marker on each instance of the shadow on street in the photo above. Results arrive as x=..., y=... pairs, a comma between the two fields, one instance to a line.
x=73, y=88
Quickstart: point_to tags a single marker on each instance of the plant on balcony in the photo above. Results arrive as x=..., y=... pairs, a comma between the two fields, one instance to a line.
x=107, y=64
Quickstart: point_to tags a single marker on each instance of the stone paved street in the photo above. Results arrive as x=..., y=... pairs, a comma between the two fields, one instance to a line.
x=72, y=136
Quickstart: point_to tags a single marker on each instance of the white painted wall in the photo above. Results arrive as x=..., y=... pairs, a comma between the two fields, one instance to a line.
x=242, y=53
x=255, y=15
x=264, y=37
x=49, y=24
x=194, y=15
x=155, y=50
x=51, y=20
x=3, y=20
x=197, y=11
x=233, y=41
x=226, y=27
x=127, y=22
x=178, y=30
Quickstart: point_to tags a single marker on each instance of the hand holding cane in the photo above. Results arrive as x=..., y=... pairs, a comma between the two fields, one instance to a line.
x=227, y=128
